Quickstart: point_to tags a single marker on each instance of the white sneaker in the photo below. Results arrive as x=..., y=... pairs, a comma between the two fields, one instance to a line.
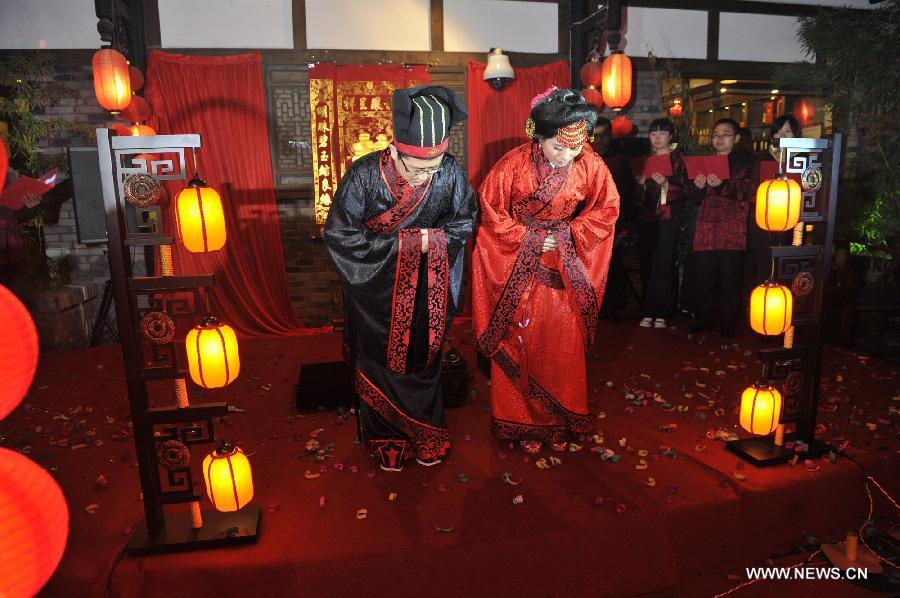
x=659, y=323
x=646, y=323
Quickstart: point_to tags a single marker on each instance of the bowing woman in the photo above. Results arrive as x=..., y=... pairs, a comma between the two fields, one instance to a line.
x=549, y=209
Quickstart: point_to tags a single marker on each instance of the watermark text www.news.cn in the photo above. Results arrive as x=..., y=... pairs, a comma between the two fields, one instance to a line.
x=806, y=573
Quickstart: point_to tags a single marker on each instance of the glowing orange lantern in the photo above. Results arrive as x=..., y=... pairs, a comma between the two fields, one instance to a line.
x=18, y=351
x=621, y=126
x=141, y=131
x=592, y=96
x=771, y=308
x=778, y=204
x=229, y=480
x=676, y=109
x=617, y=81
x=35, y=523
x=137, y=78
x=212, y=351
x=592, y=73
x=138, y=110
x=760, y=409
x=112, y=85
x=200, y=218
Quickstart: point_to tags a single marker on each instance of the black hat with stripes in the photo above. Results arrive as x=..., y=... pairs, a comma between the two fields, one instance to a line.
x=423, y=117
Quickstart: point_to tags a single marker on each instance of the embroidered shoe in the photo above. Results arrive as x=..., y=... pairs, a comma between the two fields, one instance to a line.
x=659, y=323
x=646, y=323
x=390, y=453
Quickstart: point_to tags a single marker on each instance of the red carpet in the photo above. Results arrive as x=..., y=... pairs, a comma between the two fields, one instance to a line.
x=585, y=528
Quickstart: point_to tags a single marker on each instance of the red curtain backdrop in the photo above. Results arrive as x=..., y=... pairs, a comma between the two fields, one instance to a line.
x=222, y=99
x=497, y=118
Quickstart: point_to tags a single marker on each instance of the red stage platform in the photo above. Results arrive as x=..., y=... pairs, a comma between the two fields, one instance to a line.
x=587, y=527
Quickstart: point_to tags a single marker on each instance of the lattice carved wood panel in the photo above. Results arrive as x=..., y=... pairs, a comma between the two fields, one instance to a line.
x=287, y=89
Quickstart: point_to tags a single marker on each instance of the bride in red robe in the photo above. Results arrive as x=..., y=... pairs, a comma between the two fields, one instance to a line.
x=548, y=214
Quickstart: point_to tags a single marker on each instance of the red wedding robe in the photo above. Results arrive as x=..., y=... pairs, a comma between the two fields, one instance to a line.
x=535, y=313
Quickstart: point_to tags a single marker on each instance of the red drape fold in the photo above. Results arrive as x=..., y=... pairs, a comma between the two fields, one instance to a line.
x=497, y=117
x=222, y=99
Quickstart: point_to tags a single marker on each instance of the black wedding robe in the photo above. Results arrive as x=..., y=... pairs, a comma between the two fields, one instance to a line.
x=399, y=301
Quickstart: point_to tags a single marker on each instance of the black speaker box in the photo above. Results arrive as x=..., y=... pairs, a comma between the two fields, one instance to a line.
x=325, y=385
x=87, y=196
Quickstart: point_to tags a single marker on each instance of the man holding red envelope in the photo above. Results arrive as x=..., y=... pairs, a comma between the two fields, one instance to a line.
x=724, y=184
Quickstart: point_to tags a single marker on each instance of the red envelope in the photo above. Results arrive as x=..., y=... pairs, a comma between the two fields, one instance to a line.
x=12, y=196
x=707, y=165
x=647, y=165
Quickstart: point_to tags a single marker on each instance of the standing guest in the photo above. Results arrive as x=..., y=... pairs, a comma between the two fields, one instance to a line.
x=396, y=233
x=622, y=177
x=12, y=242
x=660, y=209
x=720, y=237
x=549, y=209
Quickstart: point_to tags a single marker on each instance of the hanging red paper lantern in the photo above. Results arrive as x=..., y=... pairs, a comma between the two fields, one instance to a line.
x=137, y=78
x=592, y=96
x=213, y=357
x=803, y=111
x=592, y=73
x=200, y=218
x=616, y=81
x=35, y=523
x=4, y=164
x=621, y=126
x=137, y=111
x=229, y=480
x=676, y=109
x=112, y=85
x=18, y=351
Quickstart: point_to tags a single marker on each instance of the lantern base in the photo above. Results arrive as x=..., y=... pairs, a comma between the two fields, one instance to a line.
x=219, y=530
x=762, y=450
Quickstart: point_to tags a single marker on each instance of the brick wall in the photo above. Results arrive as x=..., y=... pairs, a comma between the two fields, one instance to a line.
x=313, y=284
x=85, y=262
x=645, y=106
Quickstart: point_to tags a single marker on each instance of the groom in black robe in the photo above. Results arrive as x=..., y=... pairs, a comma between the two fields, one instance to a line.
x=396, y=232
